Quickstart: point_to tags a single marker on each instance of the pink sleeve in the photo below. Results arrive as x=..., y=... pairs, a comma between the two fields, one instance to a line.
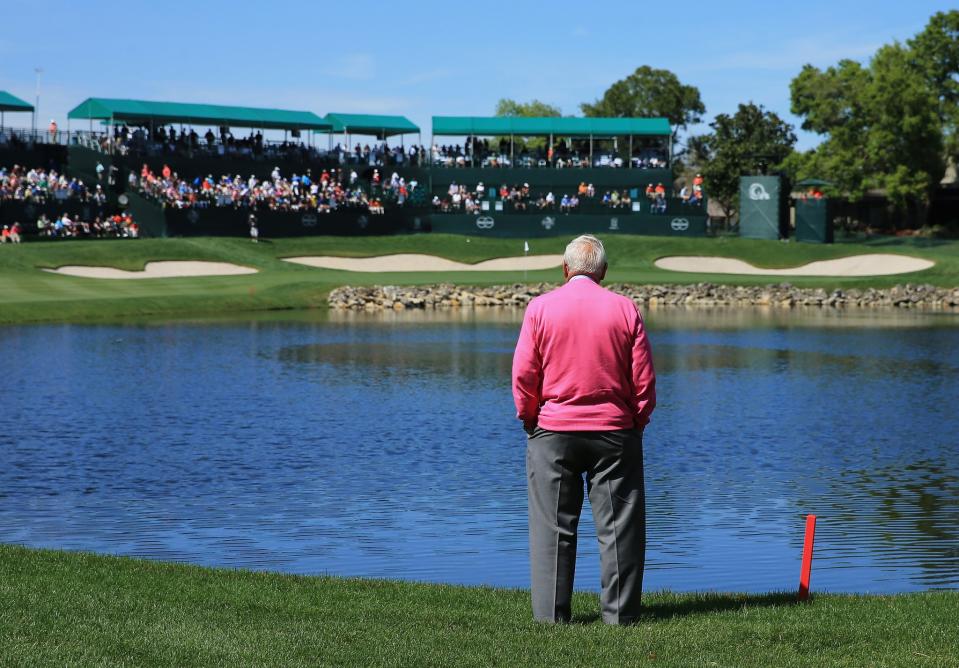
x=527, y=372
x=643, y=375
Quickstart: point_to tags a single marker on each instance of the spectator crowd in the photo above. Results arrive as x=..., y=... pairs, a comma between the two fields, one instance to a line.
x=478, y=152
x=461, y=198
x=331, y=190
x=39, y=186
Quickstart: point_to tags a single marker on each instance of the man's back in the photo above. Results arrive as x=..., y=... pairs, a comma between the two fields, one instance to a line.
x=583, y=362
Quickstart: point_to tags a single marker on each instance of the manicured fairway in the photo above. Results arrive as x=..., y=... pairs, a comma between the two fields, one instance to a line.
x=79, y=609
x=28, y=294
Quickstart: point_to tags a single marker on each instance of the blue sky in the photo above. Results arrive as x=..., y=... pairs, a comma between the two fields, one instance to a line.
x=424, y=58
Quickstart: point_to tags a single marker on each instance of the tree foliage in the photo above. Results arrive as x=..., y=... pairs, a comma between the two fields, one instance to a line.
x=887, y=125
x=751, y=140
x=531, y=109
x=935, y=52
x=650, y=92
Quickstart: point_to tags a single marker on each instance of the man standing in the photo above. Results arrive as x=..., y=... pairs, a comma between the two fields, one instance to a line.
x=584, y=387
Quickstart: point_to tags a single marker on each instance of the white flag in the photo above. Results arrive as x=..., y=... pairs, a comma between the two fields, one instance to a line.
x=526, y=247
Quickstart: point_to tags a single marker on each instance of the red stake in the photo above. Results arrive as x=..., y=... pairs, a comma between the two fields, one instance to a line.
x=807, y=558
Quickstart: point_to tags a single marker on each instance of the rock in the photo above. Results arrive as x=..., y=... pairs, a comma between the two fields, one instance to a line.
x=372, y=298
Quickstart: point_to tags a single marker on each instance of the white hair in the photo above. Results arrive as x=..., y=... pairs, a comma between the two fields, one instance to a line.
x=585, y=255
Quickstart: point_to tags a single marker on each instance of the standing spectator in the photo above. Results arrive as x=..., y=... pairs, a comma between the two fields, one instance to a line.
x=100, y=170
x=5, y=234
x=53, y=131
x=254, y=230
x=584, y=387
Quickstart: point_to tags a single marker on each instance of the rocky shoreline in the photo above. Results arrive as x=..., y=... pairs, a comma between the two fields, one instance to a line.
x=781, y=295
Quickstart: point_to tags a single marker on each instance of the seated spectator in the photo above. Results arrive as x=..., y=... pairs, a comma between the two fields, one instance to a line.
x=698, y=182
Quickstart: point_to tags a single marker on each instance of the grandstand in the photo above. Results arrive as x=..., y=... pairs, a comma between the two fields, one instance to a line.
x=191, y=169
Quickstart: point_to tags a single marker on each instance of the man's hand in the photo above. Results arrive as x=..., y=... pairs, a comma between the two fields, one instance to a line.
x=529, y=427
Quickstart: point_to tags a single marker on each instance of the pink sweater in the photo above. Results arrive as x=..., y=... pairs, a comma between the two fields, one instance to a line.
x=582, y=362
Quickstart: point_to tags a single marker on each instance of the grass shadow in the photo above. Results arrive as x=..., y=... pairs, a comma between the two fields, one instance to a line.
x=701, y=604
x=710, y=603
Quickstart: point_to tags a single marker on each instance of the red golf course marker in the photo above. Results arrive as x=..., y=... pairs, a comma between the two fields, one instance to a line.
x=807, y=558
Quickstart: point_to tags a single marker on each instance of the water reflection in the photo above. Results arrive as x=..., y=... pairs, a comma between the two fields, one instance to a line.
x=385, y=445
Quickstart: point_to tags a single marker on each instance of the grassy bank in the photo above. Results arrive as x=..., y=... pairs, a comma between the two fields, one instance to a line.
x=28, y=294
x=80, y=609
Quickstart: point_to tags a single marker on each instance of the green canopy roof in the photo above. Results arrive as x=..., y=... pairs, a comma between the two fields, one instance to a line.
x=209, y=114
x=545, y=126
x=10, y=102
x=372, y=124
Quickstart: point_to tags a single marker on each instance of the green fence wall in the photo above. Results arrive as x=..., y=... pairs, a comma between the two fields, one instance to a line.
x=763, y=213
x=235, y=223
x=813, y=221
x=551, y=225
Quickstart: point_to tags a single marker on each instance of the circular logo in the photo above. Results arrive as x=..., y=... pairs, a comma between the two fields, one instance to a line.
x=757, y=191
x=679, y=224
x=485, y=222
x=193, y=216
x=362, y=221
x=548, y=222
x=123, y=199
x=308, y=220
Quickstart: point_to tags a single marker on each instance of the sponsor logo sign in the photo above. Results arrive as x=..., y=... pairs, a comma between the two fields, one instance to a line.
x=757, y=192
x=308, y=220
x=363, y=221
x=679, y=224
x=614, y=224
x=548, y=222
x=485, y=222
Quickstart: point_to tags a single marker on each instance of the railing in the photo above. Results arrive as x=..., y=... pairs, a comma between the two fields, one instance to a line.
x=503, y=161
x=588, y=205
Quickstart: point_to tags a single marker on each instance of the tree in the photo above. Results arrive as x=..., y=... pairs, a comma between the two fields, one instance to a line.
x=750, y=140
x=887, y=124
x=649, y=92
x=935, y=54
x=531, y=109
x=881, y=124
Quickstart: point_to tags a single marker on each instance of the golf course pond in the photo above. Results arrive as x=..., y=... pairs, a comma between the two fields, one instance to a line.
x=385, y=445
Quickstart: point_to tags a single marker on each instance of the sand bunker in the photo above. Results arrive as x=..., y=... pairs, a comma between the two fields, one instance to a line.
x=876, y=264
x=416, y=262
x=166, y=269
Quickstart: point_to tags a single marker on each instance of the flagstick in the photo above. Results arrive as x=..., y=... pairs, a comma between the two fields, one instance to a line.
x=525, y=256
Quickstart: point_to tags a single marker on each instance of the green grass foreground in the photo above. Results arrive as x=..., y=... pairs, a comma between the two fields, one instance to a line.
x=62, y=608
x=28, y=294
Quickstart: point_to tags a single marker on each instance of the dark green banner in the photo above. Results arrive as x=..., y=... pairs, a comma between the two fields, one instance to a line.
x=569, y=225
x=762, y=214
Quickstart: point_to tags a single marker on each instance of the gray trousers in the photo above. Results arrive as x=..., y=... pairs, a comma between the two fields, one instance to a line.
x=612, y=462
